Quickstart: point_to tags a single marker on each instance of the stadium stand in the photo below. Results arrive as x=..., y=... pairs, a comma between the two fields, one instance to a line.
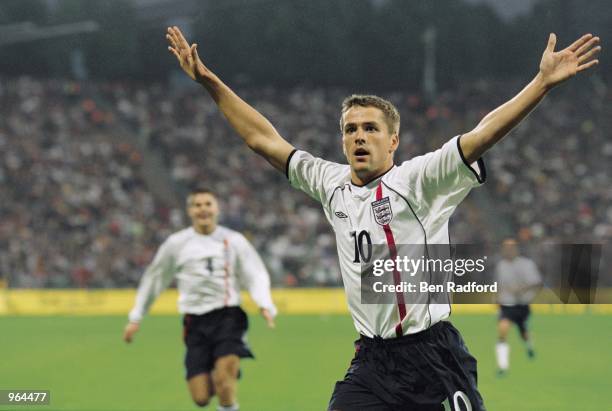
x=77, y=210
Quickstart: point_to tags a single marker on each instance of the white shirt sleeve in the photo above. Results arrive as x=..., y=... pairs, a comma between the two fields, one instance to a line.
x=253, y=275
x=442, y=179
x=309, y=174
x=156, y=278
x=533, y=280
x=532, y=274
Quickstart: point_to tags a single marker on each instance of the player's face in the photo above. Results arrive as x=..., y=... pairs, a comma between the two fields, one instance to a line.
x=510, y=249
x=203, y=209
x=368, y=143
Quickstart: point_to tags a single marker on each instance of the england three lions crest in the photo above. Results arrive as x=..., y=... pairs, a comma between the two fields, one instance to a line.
x=382, y=211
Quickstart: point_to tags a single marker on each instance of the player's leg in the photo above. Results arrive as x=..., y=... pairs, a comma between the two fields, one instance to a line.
x=502, y=349
x=198, y=360
x=229, y=342
x=225, y=381
x=352, y=395
x=446, y=354
x=432, y=371
x=200, y=388
x=524, y=332
x=367, y=383
x=461, y=378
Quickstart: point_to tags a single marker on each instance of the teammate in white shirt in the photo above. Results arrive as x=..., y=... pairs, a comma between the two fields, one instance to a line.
x=210, y=263
x=407, y=356
x=519, y=281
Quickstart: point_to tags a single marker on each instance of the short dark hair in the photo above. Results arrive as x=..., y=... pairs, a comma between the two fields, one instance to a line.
x=198, y=190
x=392, y=116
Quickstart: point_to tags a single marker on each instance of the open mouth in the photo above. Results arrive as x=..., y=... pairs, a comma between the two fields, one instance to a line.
x=361, y=154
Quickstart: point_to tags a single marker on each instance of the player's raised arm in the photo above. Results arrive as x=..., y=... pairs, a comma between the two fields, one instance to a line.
x=555, y=67
x=256, y=131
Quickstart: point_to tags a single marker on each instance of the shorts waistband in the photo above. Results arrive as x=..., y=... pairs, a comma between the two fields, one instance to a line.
x=405, y=339
x=213, y=312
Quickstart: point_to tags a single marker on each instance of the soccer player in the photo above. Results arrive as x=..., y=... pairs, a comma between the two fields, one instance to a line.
x=408, y=356
x=210, y=262
x=519, y=280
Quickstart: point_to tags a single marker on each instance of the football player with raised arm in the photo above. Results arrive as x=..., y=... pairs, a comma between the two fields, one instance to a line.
x=210, y=263
x=408, y=357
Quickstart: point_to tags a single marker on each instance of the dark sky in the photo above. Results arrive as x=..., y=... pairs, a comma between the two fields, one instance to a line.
x=508, y=8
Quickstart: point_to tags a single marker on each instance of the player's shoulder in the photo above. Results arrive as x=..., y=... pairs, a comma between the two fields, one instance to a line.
x=525, y=260
x=180, y=236
x=331, y=169
x=175, y=240
x=401, y=176
x=232, y=236
x=501, y=263
x=414, y=164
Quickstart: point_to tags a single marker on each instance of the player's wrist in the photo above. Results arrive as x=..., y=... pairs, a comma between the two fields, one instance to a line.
x=269, y=310
x=542, y=84
x=207, y=79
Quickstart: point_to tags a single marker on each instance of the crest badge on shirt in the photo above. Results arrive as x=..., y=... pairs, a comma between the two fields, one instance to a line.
x=382, y=211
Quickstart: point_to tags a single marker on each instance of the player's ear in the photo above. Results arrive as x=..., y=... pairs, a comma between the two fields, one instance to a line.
x=394, y=142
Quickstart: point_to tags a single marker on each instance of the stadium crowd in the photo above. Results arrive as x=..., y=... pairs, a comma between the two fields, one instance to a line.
x=76, y=210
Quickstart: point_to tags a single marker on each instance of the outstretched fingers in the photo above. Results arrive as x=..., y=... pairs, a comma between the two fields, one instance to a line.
x=172, y=39
x=587, y=56
x=180, y=39
x=586, y=52
x=587, y=46
x=587, y=65
x=173, y=51
x=578, y=43
x=176, y=40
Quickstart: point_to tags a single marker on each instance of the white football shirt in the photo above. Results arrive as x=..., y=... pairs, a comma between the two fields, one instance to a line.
x=518, y=281
x=409, y=204
x=210, y=270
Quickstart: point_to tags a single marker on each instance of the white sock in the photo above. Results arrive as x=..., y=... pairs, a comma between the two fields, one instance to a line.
x=502, y=352
x=234, y=407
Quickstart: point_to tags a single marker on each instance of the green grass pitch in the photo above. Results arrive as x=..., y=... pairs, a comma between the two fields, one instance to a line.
x=86, y=365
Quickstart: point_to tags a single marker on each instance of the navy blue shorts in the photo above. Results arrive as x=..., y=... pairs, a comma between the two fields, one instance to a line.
x=213, y=335
x=518, y=314
x=427, y=371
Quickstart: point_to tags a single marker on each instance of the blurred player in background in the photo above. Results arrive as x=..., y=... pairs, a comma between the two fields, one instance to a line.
x=210, y=263
x=519, y=281
x=407, y=357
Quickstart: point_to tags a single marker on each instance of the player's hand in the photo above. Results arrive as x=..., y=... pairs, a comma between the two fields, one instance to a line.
x=187, y=55
x=129, y=331
x=558, y=66
x=268, y=317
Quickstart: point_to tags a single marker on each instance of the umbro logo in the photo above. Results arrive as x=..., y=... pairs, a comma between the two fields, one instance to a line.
x=340, y=214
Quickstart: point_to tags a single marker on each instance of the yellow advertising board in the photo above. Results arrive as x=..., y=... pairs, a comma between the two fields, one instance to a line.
x=288, y=301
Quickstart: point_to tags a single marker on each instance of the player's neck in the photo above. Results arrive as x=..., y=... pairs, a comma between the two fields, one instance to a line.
x=363, y=178
x=205, y=229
